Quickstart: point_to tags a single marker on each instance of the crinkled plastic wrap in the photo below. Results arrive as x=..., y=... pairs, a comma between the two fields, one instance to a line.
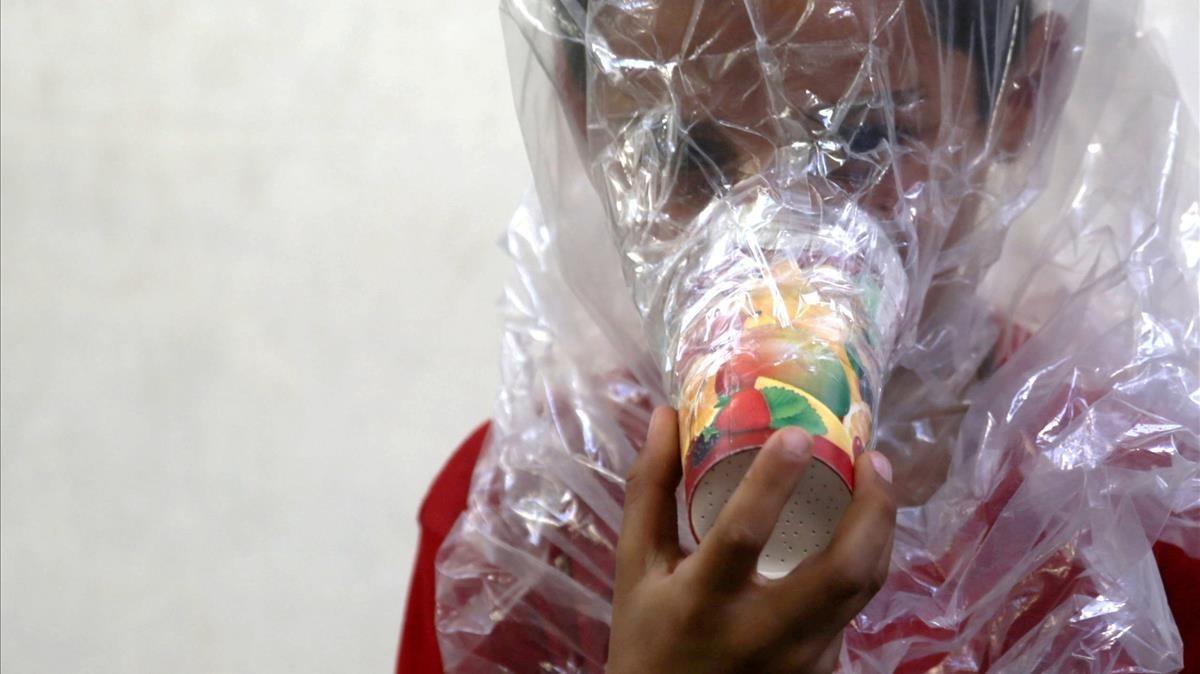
x=994, y=202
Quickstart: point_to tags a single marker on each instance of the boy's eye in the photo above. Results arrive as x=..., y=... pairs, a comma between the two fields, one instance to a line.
x=706, y=165
x=865, y=137
x=706, y=149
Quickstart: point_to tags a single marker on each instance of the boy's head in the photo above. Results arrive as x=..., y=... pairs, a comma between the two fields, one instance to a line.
x=896, y=104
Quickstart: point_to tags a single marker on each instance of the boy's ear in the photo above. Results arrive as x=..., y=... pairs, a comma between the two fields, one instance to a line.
x=1031, y=75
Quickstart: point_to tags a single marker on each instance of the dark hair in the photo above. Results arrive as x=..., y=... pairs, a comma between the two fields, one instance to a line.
x=988, y=31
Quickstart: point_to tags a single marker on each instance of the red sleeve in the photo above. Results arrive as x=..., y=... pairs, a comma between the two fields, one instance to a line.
x=446, y=500
x=1179, y=573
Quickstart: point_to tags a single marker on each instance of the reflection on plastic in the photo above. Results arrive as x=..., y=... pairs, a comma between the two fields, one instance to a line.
x=944, y=227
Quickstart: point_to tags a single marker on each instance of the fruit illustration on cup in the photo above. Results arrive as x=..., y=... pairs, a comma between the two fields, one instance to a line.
x=779, y=379
x=746, y=410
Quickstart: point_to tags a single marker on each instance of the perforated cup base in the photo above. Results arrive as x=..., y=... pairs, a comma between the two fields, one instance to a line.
x=806, y=524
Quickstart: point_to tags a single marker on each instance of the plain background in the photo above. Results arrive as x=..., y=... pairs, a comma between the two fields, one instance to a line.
x=249, y=295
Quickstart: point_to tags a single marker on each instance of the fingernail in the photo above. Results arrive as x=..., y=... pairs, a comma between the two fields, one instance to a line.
x=795, y=442
x=881, y=465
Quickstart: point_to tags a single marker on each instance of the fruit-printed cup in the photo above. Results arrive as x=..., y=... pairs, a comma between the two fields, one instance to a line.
x=789, y=363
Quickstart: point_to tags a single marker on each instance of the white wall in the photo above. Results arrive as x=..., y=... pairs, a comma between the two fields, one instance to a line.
x=249, y=284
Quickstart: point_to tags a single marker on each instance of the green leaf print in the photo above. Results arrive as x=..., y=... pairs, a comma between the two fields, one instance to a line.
x=789, y=408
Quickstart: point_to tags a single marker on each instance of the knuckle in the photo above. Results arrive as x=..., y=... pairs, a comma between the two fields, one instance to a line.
x=629, y=507
x=744, y=640
x=850, y=578
x=637, y=483
x=739, y=539
x=880, y=509
x=627, y=556
x=844, y=585
x=635, y=477
x=695, y=613
x=886, y=506
x=643, y=479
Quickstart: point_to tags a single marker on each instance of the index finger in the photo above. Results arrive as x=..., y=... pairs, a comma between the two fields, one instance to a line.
x=838, y=582
x=729, y=553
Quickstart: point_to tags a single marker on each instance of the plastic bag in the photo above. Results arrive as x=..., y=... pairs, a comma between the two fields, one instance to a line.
x=1018, y=178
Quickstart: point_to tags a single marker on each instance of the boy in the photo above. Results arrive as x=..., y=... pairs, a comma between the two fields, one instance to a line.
x=964, y=80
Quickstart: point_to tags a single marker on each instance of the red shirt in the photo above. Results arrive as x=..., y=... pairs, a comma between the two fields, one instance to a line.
x=447, y=499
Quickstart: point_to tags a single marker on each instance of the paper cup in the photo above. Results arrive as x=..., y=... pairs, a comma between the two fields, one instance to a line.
x=785, y=379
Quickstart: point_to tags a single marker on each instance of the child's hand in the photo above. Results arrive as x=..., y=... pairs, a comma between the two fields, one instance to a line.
x=711, y=611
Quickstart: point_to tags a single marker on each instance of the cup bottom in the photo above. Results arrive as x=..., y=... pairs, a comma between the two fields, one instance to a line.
x=804, y=527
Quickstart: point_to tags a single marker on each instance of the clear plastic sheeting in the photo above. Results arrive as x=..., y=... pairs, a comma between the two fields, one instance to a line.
x=1000, y=200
